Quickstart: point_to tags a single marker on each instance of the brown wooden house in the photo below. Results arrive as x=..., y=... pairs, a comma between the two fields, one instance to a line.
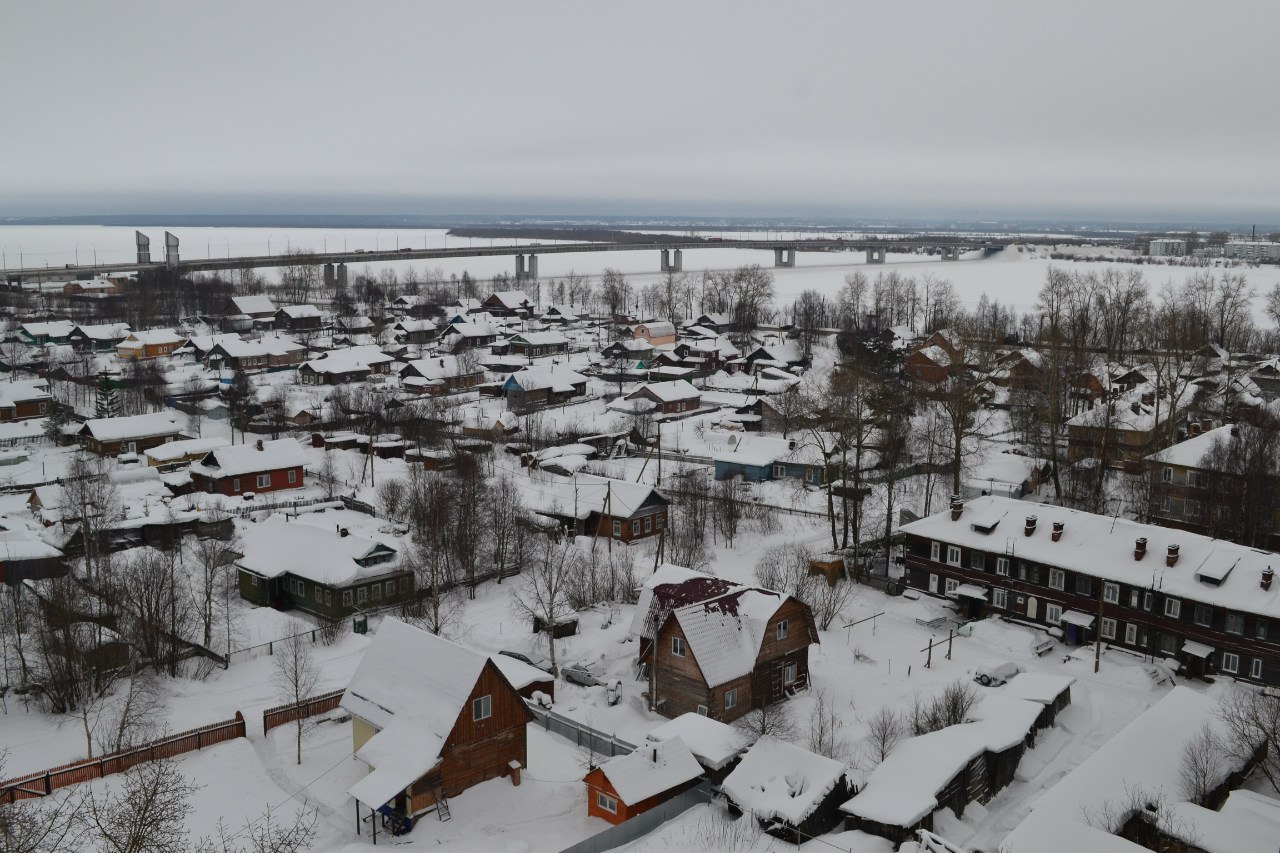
x=431, y=719
x=631, y=784
x=265, y=466
x=25, y=399
x=132, y=434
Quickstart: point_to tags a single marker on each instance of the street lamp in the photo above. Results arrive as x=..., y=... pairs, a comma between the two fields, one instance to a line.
x=228, y=242
x=95, y=253
x=208, y=248
x=268, y=244
x=77, y=254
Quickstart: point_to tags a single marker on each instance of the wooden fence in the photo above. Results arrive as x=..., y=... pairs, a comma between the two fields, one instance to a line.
x=320, y=704
x=44, y=783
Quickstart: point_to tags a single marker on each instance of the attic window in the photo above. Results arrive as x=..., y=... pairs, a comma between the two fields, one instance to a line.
x=1214, y=573
x=482, y=708
x=985, y=524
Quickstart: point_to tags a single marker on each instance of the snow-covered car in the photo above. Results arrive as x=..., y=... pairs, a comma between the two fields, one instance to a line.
x=995, y=674
x=587, y=674
x=532, y=658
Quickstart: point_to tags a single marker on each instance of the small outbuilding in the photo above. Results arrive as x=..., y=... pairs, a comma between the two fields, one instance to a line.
x=631, y=784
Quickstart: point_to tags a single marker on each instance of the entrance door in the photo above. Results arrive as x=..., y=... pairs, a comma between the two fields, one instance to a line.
x=1031, y=607
x=933, y=584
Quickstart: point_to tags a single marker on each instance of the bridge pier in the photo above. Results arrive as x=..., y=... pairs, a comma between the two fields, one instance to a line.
x=951, y=253
x=672, y=260
x=526, y=266
x=342, y=276
x=170, y=249
x=329, y=279
x=144, y=247
x=875, y=255
x=784, y=256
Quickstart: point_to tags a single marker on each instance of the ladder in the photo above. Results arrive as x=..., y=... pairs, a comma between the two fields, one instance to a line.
x=442, y=805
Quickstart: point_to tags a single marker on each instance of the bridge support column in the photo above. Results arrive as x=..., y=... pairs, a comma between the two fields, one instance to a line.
x=170, y=249
x=784, y=256
x=875, y=255
x=144, y=247
x=342, y=276
x=951, y=253
x=672, y=260
x=329, y=279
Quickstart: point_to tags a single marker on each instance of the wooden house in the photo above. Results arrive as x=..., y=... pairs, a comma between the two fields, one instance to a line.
x=508, y=303
x=655, y=332
x=299, y=318
x=715, y=745
x=353, y=364
x=668, y=398
x=430, y=719
x=254, y=307
x=147, y=344
x=616, y=509
x=264, y=466
x=25, y=399
x=441, y=374
x=326, y=572
x=416, y=332
x=469, y=334
x=632, y=784
x=132, y=434
x=98, y=338
x=534, y=344
x=793, y=793
x=534, y=387
x=52, y=332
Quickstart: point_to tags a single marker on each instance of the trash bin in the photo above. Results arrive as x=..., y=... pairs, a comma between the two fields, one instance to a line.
x=360, y=624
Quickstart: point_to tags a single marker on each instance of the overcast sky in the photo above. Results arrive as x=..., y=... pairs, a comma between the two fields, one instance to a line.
x=862, y=109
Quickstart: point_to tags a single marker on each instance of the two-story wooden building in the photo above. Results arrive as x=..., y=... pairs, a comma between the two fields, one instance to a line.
x=430, y=719
x=1207, y=604
x=148, y=344
x=131, y=434
x=25, y=399
x=264, y=466
x=598, y=506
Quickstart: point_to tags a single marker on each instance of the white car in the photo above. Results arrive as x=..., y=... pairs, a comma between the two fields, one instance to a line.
x=995, y=674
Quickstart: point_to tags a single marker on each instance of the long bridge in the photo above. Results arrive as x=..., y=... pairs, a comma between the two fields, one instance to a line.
x=671, y=255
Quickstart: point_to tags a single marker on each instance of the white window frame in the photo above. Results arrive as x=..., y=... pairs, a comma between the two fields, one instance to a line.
x=1057, y=579
x=606, y=802
x=1255, y=668
x=293, y=475
x=730, y=698
x=376, y=592
x=1230, y=662
x=346, y=598
x=1053, y=613
x=362, y=595
x=935, y=551
x=1173, y=607
x=1167, y=475
x=782, y=627
x=635, y=527
x=702, y=710
x=319, y=595
x=1238, y=621
x=1002, y=566
x=482, y=708
x=617, y=530
x=1135, y=599
x=677, y=646
x=1131, y=634
x=779, y=471
x=1000, y=598
x=390, y=589
x=235, y=484
x=1110, y=592
x=953, y=555
x=264, y=481
x=648, y=524
x=949, y=586
x=1108, y=628
x=790, y=673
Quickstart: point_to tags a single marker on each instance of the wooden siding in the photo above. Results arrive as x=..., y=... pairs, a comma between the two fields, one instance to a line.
x=249, y=482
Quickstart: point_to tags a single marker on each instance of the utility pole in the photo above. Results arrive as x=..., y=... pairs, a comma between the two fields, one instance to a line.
x=1097, y=635
x=608, y=504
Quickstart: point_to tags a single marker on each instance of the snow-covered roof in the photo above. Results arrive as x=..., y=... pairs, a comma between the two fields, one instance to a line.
x=408, y=326
x=150, y=336
x=724, y=633
x=105, y=331
x=237, y=348
x=241, y=459
x=204, y=343
x=259, y=304
x=558, y=377
x=1146, y=754
x=589, y=494
x=650, y=770
x=658, y=328
x=712, y=742
x=277, y=546
x=437, y=367
x=1102, y=547
x=667, y=392
x=519, y=673
x=1189, y=453
x=179, y=449
x=298, y=312
x=778, y=780
x=540, y=339
x=349, y=360
x=53, y=328
x=512, y=299
x=1042, y=688
x=761, y=450
x=24, y=545
x=132, y=426
x=668, y=575
x=1246, y=823
x=17, y=391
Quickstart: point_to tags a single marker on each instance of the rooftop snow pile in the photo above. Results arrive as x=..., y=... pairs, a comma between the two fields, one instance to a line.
x=241, y=459
x=276, y=546
x=777, y=780
x=712, y=742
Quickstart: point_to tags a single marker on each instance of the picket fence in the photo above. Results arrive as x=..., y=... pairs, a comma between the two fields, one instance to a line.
x=321, y=704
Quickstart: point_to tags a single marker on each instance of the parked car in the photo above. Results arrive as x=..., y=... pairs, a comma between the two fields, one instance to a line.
x=532, y=658
x=995, y=674
x=588, y=674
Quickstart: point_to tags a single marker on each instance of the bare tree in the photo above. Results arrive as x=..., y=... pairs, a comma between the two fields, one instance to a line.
x=212, y=558
x=296, y=678
x=135, y=713
x=542, y=597
x=826, y=730
x=1251, y=722
x=147, y=813
x=884, y=730
x=45, y=825
x=776, y=720
x=1200, y=770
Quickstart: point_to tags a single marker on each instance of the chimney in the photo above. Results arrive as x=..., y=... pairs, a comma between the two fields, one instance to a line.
x=1057, y=530
x=344, y=532
x=1140, y=548
x=1135, y=408
x=1206, y=424
x=260, y=446
x=1030, y=527
x=1173, y=556
x=1193, y=429
x=957, y=507
x=1149, y=399
x=1267, y=576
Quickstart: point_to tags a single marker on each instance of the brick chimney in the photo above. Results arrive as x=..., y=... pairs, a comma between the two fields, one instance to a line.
x=1267, y=576
x=1149, y=399
x=1172, y=558
x=1030, y=526
x=1057, y=530
x=957, y=507
x=1140, y=548
x=260, y=445
x=1206, y=424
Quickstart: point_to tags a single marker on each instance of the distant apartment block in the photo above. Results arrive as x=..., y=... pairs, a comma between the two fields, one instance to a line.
x=1168, y=248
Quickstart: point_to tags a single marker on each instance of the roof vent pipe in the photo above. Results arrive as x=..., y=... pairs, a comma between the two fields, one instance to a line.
x=1267, y=576
x=1057, y=530
x=1173, y=556
x=1030, y=527
x=1140, y=548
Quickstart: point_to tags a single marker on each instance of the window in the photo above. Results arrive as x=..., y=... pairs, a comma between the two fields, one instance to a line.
x=782, y=629
x=1255, y=668
x=977, y=560
x=1057, y=578
x=253, y=580
x=264, y=481
x=730, y=698
x=935, y=549
x=235, y=484
x=328, y=598
x=1111, y=593
x=1230, y=662
x=391, y=588
x=1134, y=598
x=1002, y=566
x=1202, y=615
x=482, y=708
x=361, y=595
x=346, y=598
x=789, y=673
x=648, y=524
x=1147, y=600
x=293, y=475
x=377, y=591
x=44, y=407
x=606, y=802
x=953, y=555
x=617, y=530
x=1193, y=509
x=1084, y=585
x=1167, y=475
x=702, y=709
x=952, y=586
x=1172, y=608
x=677, y=646
x=1000, y=598
x=1131, y=634
x=635, y=527
x=319, y=595
x=1053, y=613
x=779, y=471
x=1260, y=629
x=1235, y=623
x=662, y=521
x=1108, y=628
x=1166, y=503
x=1168, y=644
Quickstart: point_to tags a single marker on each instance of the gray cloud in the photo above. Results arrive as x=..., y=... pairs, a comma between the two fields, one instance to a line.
x=859, y=108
